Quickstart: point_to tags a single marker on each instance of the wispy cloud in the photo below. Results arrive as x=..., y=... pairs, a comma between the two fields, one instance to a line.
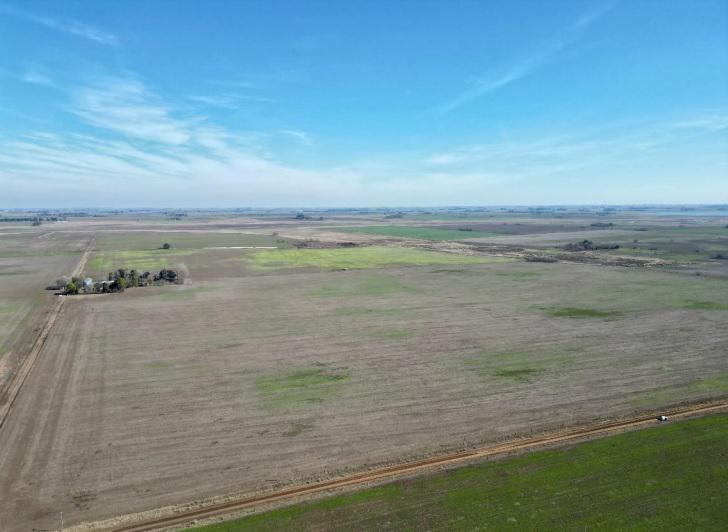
x=126, y=106
x=35, y=75
x=524, y=66
x=64, y=25
x=188, y=159
x=608, y=144
x=143, y=150
x=228, y=101
x=301, y=136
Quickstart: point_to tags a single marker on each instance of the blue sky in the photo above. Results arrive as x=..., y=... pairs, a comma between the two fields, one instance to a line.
x=306, y=104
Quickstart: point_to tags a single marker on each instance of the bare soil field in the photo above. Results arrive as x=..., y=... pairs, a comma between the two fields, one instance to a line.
x=28, y=262
x=260, y=372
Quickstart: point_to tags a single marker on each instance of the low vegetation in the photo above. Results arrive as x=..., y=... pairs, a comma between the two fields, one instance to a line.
x=705, y=305
x=670, y=477
x=300, y=386
x=513, y=366
x=581, y=312
x=360, y=257
x=424, y=233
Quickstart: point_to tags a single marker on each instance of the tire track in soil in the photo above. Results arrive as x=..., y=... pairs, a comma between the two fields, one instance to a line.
x=11, y=392
x=178, y=518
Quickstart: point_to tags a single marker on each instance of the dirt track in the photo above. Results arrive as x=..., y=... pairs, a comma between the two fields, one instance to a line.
x=393, y=472
x=12, y=390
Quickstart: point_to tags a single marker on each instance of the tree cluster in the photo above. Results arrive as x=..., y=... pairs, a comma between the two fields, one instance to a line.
x=588, y=245
x=116, y=281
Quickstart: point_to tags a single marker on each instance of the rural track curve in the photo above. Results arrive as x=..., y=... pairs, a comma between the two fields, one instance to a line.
x=404, y=469
x=11, y=392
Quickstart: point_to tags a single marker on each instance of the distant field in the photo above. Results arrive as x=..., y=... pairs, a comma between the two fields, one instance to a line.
x=424, y=233
x=680, y=244
x=671, y=477
x=150, y=241
x=106, y=261
x=357, y=258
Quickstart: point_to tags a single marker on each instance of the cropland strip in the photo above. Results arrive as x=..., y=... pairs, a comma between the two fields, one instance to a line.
x=356, y=258
x=424, y=232
x=393, y=472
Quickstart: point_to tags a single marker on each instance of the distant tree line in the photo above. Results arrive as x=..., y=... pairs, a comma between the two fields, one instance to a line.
x=35, y=220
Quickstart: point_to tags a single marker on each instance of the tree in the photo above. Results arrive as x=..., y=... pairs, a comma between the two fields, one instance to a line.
x=166, y=245
x=72, y=287
x=119, y=285
x=133, y=278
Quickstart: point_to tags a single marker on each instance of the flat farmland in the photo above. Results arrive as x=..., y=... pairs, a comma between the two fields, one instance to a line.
x=420, y=232
x=295, y=368
x=623, y=478
x=29, y=261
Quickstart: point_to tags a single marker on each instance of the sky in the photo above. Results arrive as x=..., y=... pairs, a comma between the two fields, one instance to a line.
x=362, y=103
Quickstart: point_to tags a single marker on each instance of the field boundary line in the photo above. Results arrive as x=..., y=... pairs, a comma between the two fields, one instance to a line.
x=231, y=506
x=13, y=388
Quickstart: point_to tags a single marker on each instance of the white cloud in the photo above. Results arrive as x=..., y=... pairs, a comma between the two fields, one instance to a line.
x=527, y=65
x=300, y=136
x=143, y=152
x=227, y=101
x=127, y=107
x=66, y=25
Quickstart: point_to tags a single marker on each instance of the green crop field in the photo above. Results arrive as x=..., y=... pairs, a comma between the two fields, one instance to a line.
x=670, y=477
x=356, y=258
x=157, y=259
x=424, y=233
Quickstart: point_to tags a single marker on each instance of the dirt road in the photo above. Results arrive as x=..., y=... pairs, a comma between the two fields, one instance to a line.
x=10, y=394
x=393, y=472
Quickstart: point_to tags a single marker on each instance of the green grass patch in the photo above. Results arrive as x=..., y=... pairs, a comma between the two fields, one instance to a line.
x=513, y=366
x=160, y=364
x=106, y=261
x=300, y=386
x=670, y=477
x=369, y=311
x=395, y=334
x=358, y=258
x=518, y=374
x=519, y=275
x=580, y=312
x=639, y=290
x=705, y=305
x=423, y=233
